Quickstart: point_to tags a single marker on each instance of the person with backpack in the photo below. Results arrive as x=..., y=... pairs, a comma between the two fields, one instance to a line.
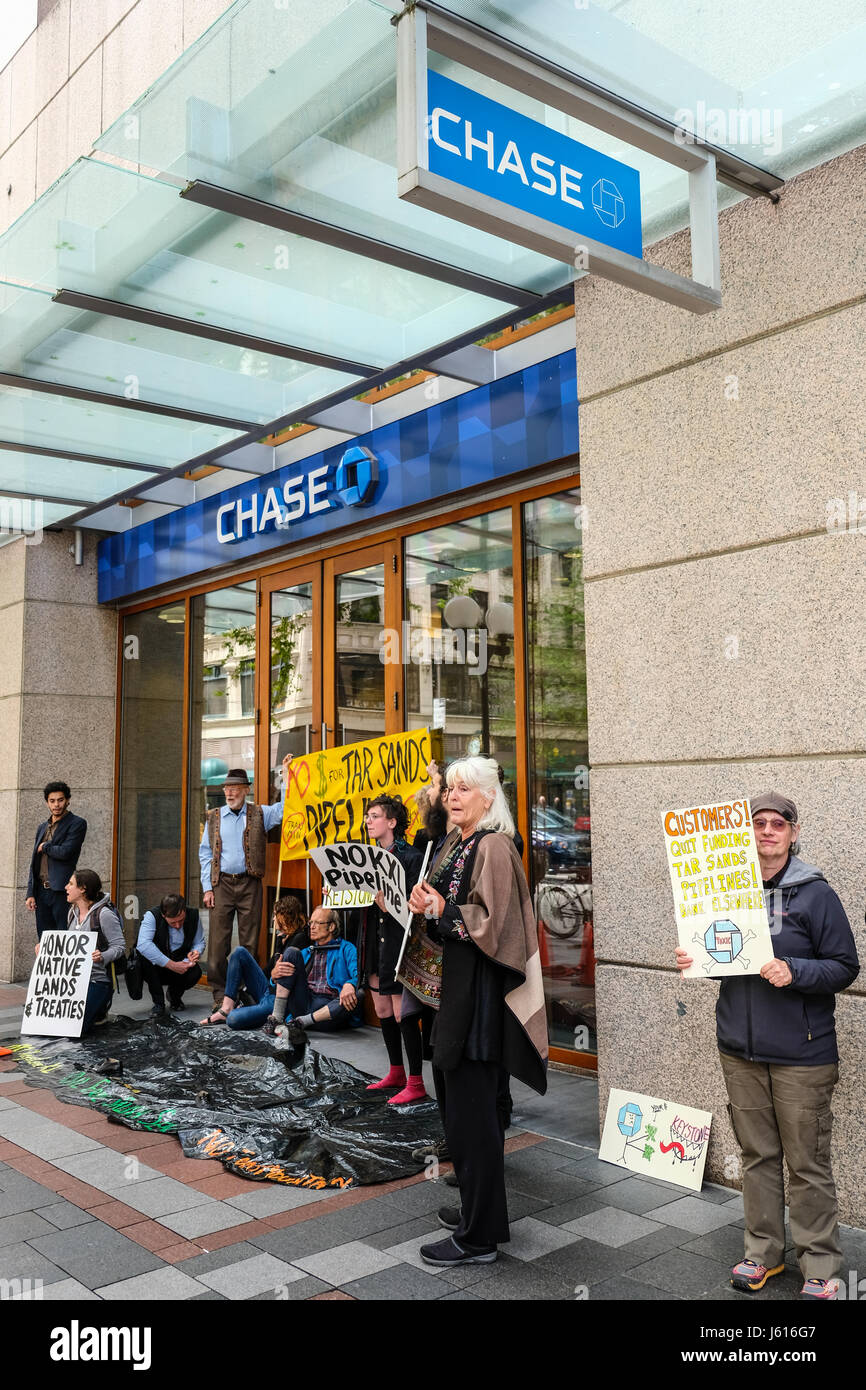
x=90, y=909
x=170, y=944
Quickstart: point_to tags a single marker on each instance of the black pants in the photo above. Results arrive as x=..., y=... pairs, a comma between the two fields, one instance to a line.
x=473, y=1117
x=52, y=909
x=157, y=976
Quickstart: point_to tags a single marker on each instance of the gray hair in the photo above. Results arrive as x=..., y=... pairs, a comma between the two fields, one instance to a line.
x=484, y=774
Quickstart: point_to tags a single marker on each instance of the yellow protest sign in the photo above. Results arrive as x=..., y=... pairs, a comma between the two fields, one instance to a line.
x=328, y=793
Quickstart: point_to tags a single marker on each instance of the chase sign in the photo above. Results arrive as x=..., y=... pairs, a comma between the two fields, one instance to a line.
x=496, y=151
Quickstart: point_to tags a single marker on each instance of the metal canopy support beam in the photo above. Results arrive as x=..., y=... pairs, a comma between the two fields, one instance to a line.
x=418, y=30
x=79, y=393
x=113, y=308
x=30, y=497
x=42, y=451
x=474, y=364
x=352, y=417
x=269, y=215
x=252, y=458
x=179, y=492
x=115, y=518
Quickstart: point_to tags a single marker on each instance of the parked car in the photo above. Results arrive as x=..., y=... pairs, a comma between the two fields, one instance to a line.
x=555, y=834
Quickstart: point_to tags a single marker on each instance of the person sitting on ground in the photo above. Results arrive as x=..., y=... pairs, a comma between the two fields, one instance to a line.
x=319, y=988
x=244, y=971
x=170, y=943
x=92, y=910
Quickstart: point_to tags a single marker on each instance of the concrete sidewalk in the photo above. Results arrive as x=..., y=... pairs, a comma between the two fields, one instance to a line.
x=79, y=1215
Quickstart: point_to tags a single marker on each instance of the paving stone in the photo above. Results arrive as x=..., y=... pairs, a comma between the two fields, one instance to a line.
x=585, y=1262
x=398, y=1284
x=63, y=1291
x=296, y=1292
x=7, y=1103
x=460, y=1296
x=160, y=1196
x=106, y=1170
x=561, y=1212
x=255, y=1275
x=562, y=1147
x=600, y=1173
x=22, y=1226
x=23, y=1262
x=530, y=1239
x=646, y=1247
x=681, y=1273
x=98, y=1256
x=724, y=1244
x=165, y=1283
x=209, y=1296
x=424, y=1227
x=273, y=1197
x=735, y=1203
x=521, y=1283
x=45, y=1138
x=346, y=1262
x=691, y=1214
x=637, y=1196
x=422, y=1197
x=19, y=1193
x=218, y=1259
x=548, y=1189
x=721, y=1196
x=611, y=1226
x=204, y=1220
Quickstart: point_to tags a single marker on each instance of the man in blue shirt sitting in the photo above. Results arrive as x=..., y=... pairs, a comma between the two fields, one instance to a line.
x=232, y=858
x=170, y=943
x=317, y=988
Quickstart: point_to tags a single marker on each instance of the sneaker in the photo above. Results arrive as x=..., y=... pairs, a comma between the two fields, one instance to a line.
x=451, y=1179
x=157, y=1011
x=821, y=1288
x=449, y=1217
x=750, y=1277
x=447, y=1253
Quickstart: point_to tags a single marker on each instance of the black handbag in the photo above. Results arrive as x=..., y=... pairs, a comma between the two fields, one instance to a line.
x=134, y=974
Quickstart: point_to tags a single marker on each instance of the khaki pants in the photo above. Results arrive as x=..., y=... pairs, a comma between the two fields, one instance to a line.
x=776, y=1111
x=240, y=894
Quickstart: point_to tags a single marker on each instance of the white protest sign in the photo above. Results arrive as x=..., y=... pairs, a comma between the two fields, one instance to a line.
x=332, y=897
x=58, y=984
x=352, y=867
x=656, y=1137
x=718, y=894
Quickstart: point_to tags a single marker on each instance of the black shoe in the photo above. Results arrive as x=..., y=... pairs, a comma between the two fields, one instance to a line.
x=157, y=1011
x=270, y=1026
x=99, y=1022
x=450, y=1179
x=448, y=1252
x=449, y=1217
x=176, y=1005
x=296, y=1033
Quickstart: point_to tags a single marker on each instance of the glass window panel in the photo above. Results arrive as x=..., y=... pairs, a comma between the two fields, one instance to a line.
x=559, y=767
x=297, y=105
x=151, y=760
x=60, y=477
x=360, y=674
x=291, y=695
x=104, y=230
x=61, y=423
x=30, y=514
x=458, y=638
x=95, y=352
x=222, y=728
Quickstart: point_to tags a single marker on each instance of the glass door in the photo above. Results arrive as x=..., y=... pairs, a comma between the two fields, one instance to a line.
x=362, y=676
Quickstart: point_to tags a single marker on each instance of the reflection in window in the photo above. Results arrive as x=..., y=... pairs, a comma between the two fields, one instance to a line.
x=457, y=643
x=360, y=674
x=291, y=695
x=222, y=703
x=558, y=765
x=151, y=758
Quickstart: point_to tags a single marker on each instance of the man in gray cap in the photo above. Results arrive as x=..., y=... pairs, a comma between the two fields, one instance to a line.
x=777, y=1045
x=232, y=859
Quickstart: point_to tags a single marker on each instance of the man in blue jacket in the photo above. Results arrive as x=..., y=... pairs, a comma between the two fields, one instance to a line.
x=322, y=989
x=56, y=851
x=777, y=1044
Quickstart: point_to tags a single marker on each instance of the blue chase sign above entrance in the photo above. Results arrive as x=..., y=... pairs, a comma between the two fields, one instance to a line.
x=493, y=432
x=484, y=145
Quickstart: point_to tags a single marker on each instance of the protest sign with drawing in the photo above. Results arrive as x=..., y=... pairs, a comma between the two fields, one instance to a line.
x=327, y=794
x=351, y=867
x=58, y=984
x=659, y=1137
x=718, y=892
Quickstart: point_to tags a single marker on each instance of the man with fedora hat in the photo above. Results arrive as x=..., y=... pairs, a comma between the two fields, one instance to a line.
x=232, y=859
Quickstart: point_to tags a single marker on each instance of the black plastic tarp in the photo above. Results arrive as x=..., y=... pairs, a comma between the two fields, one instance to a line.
x=292, y=1116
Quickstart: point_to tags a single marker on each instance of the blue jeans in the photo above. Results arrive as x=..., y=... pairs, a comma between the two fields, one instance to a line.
x=244, y=969
x=99, y=994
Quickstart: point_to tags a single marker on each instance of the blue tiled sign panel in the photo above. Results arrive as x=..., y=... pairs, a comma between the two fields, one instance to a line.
x=492, y=432
x=483, y=145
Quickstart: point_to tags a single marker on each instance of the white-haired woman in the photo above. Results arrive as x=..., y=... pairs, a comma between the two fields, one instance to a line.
x=491, y=1020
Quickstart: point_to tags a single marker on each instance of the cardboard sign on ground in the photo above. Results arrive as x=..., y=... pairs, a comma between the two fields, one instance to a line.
x=718, y=893
x=656, y=1138
x=58, y=984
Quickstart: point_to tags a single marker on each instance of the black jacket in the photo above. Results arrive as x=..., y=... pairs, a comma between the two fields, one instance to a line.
x=794, y=1025
x=382, y=933
x=63, y=852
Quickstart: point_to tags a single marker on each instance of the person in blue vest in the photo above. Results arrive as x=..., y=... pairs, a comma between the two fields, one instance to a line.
x=170, y=943
x=56, y=851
